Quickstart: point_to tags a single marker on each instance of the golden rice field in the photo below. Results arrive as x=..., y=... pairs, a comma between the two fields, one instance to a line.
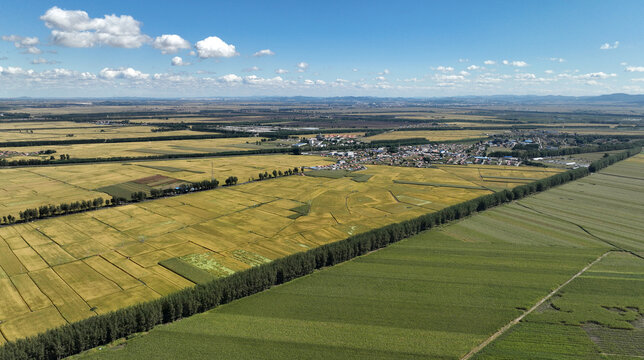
x=31, y=187
x=68, y=268
x=80, y=132
x=31, y=125
x=149, y=148
x=444, y=135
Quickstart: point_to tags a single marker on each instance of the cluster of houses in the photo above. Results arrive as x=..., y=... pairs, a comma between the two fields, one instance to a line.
x=322, y=141
x=421, y=156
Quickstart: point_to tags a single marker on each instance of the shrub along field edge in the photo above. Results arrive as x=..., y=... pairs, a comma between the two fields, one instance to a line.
x=99, y=330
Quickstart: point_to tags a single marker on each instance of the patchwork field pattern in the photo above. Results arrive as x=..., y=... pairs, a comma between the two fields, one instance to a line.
x=440, y=293
x=94, y=262
x=84, y=132
x=31, y=187
x=132, y=149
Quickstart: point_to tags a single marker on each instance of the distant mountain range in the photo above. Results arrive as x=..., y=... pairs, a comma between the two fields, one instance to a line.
x=608, y=99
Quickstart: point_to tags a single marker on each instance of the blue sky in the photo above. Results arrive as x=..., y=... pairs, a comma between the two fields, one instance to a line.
x=323, y=48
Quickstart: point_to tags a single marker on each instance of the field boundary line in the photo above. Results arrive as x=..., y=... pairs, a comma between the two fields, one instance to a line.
x=515, y=321
x=617, y=247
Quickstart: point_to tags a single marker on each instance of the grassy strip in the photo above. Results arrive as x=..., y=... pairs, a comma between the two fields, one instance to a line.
x=330, y=174
x=360, y=177
x=186, y=270
x=439, y=185
x=302, y=210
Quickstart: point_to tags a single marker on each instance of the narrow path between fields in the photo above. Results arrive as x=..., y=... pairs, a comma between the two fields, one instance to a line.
x=505, y=328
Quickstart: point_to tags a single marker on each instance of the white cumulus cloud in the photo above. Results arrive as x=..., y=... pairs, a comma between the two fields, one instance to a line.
x=444, y=68
x=265, y=52
x=608, y=46
x=170, y=43
x=74, y=28
x=517, y=63
x=230, y=79
x=252, y=69
x=302, y=66
x=214, y=47
x=473, y=67
x=281, y=71
x=597, y=75
x=635, y=68
x=489, y=62
x=22, y=42
x=123, y=73
x=178, y=61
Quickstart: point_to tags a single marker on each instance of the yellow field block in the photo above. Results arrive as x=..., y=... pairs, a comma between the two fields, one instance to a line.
x=276, y=210
x=53, y=254
x=111, y=272
x=160, y=284
x=32, y=323
x=324, y=236
x=10, y=263
x=165, y=240
x=123, y=298
x=213, y=240
x=61, y=233
x=30, y=259
x=184, y=249
x=135, y=248
x=151, y=227
x=130, y=267
x=30, y=293
x=85, y=281
x=70, y=305
x=33, y=238
x=83, y=249
x=260, y=222
x=151, y=258
x=307, y=223
x=177, y=280
x=12, y=302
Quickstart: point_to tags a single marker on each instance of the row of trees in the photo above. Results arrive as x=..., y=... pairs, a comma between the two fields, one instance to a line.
x=566, y=151
x=99, y=330
x=46, y=211
x=266, y=175
x=67, y=160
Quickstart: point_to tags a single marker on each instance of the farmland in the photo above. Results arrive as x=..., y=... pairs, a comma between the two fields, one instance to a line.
x=67, y=183
x=432, y=135
x=82, y=132
x=94, y=262
x=150, y=148
x=442, y=292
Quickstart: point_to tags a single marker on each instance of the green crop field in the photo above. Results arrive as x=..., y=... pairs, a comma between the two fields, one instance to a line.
x=441, y=293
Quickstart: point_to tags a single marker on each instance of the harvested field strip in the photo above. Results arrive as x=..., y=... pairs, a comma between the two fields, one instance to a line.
x=439, y=185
